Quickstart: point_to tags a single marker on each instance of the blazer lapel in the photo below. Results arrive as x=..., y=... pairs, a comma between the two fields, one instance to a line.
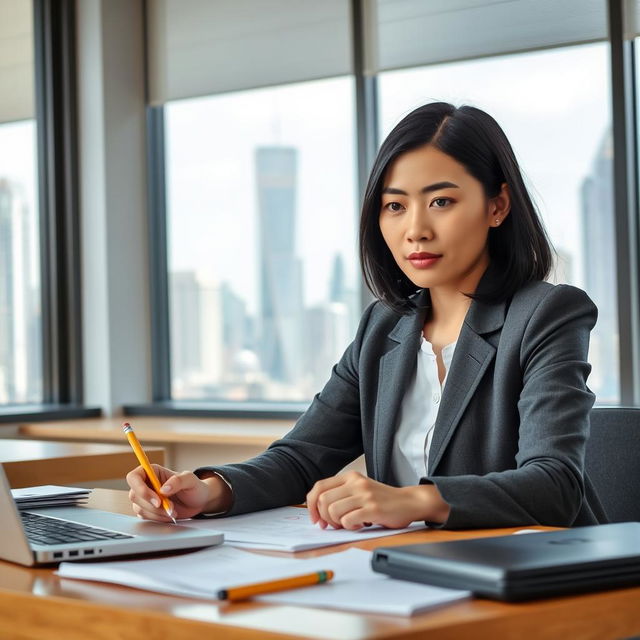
x=395, y=370
x=472, y=357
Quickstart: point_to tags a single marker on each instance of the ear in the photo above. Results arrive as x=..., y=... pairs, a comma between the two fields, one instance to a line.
x=499, y=206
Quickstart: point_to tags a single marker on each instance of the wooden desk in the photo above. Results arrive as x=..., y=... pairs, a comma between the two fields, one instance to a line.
x=188, y=442
x=31, y=462
x=37, y=605
x=215, y=431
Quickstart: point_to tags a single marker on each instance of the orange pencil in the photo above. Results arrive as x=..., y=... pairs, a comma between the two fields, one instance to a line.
x=242, y=593
x=146, y=465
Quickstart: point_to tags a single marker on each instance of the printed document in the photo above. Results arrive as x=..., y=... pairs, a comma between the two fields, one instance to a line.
x=203, y=573
x=287, y=529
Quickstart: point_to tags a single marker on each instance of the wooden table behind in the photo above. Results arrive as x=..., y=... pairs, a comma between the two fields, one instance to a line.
x=36, y=604
x=188, y=442
x=34, y=462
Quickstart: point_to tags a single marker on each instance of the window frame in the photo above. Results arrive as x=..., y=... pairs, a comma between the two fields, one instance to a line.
x=625, y=189
x=60, y=263
x=623, y=98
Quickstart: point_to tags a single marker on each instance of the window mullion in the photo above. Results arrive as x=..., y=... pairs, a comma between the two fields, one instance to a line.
x=625, y=202
x=57, y=182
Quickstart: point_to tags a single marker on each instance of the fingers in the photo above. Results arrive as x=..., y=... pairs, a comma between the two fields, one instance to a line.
x=183, y=481
x=318, y=489
x=356, y=519
x=155, y=514
x=337, y=511
x=138, y=481
x=144, y=497
x=149, y=507
x=331, y=499
x=332, y=504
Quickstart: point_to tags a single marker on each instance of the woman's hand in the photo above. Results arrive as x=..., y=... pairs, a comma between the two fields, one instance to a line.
x=352, y=501
x=189, y=494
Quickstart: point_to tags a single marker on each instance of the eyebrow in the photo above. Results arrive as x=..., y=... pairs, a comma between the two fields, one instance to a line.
x=430, y=187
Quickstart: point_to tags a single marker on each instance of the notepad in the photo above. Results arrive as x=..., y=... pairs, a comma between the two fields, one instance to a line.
x=49, y=496
x=202, y=574
x=287, y=529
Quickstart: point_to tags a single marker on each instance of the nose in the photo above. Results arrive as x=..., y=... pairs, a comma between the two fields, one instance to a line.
x=418, y=224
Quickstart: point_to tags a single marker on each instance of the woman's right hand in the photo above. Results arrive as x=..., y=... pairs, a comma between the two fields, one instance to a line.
x=188, y=494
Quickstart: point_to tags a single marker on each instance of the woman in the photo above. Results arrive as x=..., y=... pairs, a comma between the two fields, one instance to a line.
x=465, y=386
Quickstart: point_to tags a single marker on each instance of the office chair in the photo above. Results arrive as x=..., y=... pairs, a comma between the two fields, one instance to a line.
x=613, y=460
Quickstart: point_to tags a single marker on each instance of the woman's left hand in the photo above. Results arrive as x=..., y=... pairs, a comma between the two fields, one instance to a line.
x=351, y=500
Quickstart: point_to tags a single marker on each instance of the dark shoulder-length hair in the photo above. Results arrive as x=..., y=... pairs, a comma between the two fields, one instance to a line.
x=520, y=247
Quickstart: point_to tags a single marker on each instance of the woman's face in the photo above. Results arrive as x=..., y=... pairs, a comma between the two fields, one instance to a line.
x=435, y=219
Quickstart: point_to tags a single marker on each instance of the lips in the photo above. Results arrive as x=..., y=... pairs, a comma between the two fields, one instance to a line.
x=423, y=259
x=423, y=255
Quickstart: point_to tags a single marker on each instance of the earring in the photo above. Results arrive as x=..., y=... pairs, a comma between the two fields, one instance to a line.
x=497, y=221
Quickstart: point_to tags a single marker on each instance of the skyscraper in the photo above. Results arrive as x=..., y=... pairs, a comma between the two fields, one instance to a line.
x=196, y=334
x=599, y=246
x=337, y=288
x=280, y=269
x=185, y=323
x=19, y=353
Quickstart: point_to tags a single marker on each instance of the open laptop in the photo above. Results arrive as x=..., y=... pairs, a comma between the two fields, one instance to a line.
x=54, y=534
x=519, y=567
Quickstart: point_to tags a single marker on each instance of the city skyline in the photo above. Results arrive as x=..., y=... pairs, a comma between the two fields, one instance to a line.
x=209, y=355
x=20, y=341
x=332, y=323
x=212, y=187
x=288, y=348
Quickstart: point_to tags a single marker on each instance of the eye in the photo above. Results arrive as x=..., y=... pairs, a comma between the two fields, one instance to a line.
x=441, y=202
x=393, y=207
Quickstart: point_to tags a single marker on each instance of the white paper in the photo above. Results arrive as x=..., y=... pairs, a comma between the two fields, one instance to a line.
x=286, y=529
x=202, y=574
x=49, y=496
x=517, y=533
x=46, y=491
x=357, y=587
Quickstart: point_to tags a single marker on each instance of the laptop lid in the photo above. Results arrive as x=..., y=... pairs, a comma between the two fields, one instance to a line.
x=518, y=567
x=129, y=535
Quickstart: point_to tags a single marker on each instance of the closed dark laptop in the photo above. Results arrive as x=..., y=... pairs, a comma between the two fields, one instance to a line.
x=519, y=567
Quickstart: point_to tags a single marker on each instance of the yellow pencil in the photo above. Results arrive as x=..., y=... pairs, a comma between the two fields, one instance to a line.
x=146, y=465
x=242, y=593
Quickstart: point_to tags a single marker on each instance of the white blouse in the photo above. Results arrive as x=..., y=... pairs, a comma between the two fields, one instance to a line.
x=418, y=412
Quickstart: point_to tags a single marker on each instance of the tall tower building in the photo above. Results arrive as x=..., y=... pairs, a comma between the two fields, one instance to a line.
x=7, y=388
x=598, y=246
x=280, y=269
x=185, y=323
x=196, y=334
x=337, y=287
x=18, y=307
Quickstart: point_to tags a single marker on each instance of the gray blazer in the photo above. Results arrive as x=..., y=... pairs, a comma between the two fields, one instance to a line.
x=509, y=440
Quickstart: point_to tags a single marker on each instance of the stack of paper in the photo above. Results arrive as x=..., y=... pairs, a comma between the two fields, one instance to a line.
x=202, y=574
x=49, y=496
x=287, y=529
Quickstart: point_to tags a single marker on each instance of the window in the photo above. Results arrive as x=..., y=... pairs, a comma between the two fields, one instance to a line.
x=261, y=158
x=261, y=221
x=20, y=317
x=554, y=107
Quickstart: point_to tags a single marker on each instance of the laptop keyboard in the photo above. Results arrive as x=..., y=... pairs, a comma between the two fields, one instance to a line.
x=45, y=530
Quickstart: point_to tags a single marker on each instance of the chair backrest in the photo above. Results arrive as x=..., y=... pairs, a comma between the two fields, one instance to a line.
x=613, y=460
